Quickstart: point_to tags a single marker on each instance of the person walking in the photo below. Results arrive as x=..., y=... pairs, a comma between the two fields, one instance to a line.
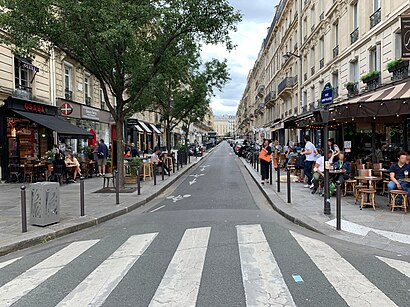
x=102, y=155
x=309, y=153
x=265, y=157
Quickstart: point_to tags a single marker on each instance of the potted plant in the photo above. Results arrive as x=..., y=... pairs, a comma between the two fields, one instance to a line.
x=370, y=76
x=134, y=164
x=396, y=64
x=349, y=86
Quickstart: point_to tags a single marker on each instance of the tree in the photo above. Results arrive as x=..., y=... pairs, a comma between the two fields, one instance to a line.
x=123, y=43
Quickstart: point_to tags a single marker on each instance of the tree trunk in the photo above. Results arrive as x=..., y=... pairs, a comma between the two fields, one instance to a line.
x=168, y=137
x=120, y=150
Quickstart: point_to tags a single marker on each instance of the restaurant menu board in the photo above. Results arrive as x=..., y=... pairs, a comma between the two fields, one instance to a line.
x=26, y=139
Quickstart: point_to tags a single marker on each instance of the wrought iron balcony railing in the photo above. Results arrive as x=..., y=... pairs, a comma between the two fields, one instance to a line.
x=336, y=51
x=375, y=18
x=354, y=36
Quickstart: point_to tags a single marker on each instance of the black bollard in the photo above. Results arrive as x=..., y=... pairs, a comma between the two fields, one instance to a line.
x=288, y=188
x=270, y=173
x=338, y=205
x=23, y=209
x=173, y=165
x=177, y=162
x=117, y=188
x=257, y=165
x=82, y=208
x=278, y=177
x=162, y=171
x=154, y=168
x=138, y=181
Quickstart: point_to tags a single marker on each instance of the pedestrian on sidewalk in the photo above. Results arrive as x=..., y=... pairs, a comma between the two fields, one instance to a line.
x=265, y=157
x=309, y=152
x=102, y=155
x=319, y=172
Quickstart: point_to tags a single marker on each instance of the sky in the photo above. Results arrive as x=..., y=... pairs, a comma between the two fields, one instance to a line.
x=257, y=16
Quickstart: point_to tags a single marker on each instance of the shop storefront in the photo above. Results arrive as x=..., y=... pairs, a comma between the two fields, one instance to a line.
x=27, y=132
x=95, y=121
x=144, y=135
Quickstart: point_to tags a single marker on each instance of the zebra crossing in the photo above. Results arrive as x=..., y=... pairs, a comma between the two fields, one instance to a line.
x=263, y=281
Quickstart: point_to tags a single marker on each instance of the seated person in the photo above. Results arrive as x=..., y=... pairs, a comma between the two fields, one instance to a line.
x=339, y=165
x=319, y=171
x=59, y=163
x=398, y=172
x=157, y=157
x=72, y=161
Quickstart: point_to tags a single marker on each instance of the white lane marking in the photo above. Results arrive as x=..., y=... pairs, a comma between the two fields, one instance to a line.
x=197, y=175
x=352, y=286
x=178, y=198
x=24, y=283
x=192, y=182
x=159, y=208
x=364, y=230
x=399, y=265
x=94, y=290
x=204, y=167
x=180, y=283
x=6, y=263
x=262, y=279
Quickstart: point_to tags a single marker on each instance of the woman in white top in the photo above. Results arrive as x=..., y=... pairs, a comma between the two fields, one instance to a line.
x=72, y=161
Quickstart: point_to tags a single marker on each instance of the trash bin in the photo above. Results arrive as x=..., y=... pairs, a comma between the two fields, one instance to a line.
x=45, y=203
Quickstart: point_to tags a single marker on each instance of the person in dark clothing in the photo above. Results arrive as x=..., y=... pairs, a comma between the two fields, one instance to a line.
x=59, y=167
x=102, y=155
x=267, y=151
x=134, y=151
x=342, y=164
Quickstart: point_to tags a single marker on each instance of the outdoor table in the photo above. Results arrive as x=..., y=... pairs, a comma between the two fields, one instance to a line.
x=337, y=171
x=371, y=179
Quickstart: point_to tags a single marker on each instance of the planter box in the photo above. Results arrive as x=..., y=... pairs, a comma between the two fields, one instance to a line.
x=401, y=65
x=130, y=180
x=371, y=79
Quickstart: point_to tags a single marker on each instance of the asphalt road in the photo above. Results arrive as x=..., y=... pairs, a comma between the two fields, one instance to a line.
x=210, y=240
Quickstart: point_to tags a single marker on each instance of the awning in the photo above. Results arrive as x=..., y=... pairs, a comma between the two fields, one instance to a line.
x=155, y=129
x=145, y=127
x=62, y=127
x=138, y=128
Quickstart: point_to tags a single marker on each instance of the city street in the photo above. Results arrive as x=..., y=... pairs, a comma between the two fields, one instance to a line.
x=212, y=239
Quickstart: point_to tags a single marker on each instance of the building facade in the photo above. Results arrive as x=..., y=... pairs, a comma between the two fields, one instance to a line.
x=224, y=125
x=353, y=46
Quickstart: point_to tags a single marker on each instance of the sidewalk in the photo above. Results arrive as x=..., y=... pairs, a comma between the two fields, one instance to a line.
x=378, y=228
x=99, y=207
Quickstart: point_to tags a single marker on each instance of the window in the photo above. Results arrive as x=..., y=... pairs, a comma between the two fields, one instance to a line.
x=22, y=75
x=354, y=12
x=354, y=71
x=376, y=5
x=336, y=27
x=68, y=73
x=312, y=16
x=374, y=58
x=335, y=79
x=397, y=45
x=322, y=47
x=102, y=99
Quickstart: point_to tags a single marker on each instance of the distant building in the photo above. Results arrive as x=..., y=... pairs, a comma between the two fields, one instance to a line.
x=224, y=125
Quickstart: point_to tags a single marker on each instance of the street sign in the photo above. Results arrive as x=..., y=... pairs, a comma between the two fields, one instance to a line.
x=405, y=37
x=327, y=94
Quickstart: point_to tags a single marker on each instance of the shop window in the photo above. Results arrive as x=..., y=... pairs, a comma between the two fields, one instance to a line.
x=22, y=76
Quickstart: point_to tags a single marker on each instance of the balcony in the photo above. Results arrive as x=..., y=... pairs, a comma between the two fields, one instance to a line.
x=399, y=71
x=261, y=89
x=270, y=97
x=336, y=51
x=322, y=63
x=322, y=16
x=305, y=76
x=304, y=109
x=335, y=92
x=23, y=92
x=312, y=70
x=311, y=106
x=375, y=18
x=295, y=47
x=354, y=36
x=373, y=81
x=286, y=85
x=88, y=101
x=68, y=94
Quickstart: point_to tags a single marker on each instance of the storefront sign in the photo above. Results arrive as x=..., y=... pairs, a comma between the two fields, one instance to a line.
x=35, y=108
x=29, y=66
x=66, y=109
x=405, y=37
x=327, y=94
x=90, y=113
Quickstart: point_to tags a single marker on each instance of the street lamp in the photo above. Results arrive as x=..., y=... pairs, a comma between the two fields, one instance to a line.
x=288, y=54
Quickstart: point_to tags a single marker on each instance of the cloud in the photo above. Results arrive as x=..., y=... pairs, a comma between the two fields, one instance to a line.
x=257, y=17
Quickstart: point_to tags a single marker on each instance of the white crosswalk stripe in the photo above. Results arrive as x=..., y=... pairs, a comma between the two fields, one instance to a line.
x=95, y=289
x=6, y=263
x=352, y=286
x=401, y=266
x=23, y=284
x=262, y=279
x=180, y=284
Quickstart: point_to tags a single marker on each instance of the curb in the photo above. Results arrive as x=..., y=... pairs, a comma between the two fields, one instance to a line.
x=285, y=210
x=54, y=234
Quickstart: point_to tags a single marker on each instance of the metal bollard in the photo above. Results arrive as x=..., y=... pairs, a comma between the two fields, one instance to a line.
x=162, y=170
x=82, y=208
x=257, y=165
x=278, y=179
x=270, y=173
x=173, y=165
x=154, y=168
x=189, y=159
x=288, y=187
x=338, y=205
x=138, y=181
x=117, y=188
x=177, y=159
x=23, y=209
